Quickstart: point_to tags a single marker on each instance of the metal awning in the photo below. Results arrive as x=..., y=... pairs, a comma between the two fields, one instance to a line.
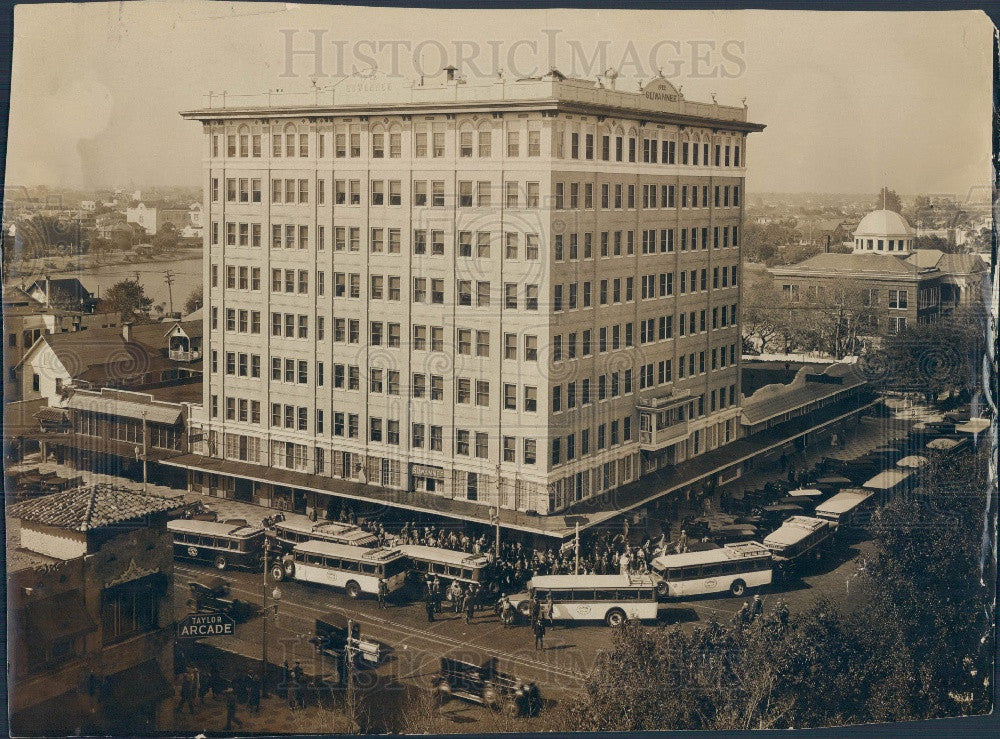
x=127, y=408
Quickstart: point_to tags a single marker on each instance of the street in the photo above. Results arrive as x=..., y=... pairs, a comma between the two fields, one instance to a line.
x=414, y=646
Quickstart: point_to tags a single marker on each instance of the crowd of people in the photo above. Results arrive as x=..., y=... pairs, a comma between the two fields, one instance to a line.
x=510, y=569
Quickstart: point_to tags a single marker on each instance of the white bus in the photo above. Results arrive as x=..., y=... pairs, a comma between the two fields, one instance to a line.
x=445, y=563
x=798, y=537
x=289, y=533
x=608, y=598
x=846, y=507
x=733, y=568
x=356, y=569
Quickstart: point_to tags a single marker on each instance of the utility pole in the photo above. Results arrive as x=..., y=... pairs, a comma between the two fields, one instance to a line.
x=263, y=651
x=349, y=656
x=169, y=277
x=145, y=463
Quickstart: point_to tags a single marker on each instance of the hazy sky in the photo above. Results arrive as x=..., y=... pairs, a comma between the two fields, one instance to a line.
x=850, y=99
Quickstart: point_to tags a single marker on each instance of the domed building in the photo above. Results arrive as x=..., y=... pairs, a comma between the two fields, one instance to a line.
x=883, y=232
x=900, y=284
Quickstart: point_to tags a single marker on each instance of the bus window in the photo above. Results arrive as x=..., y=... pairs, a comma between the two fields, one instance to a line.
x=540, y=594
x=350, y=566
x=467, y=574
x=314, y=559
x=332, y=562
x=608, y=594
x=368, y=568
x=300, y=557
x=394, y=567
x=583, y=595
x=562, y=596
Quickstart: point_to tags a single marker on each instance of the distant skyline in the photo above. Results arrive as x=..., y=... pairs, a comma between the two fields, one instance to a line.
x=851, y=101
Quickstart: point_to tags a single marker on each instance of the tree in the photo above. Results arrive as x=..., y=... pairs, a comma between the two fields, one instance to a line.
x=128, y=298
x=936, y=357
x=166, y=238
x=888, y=200
x=764, y=320
x=194, y=301
x=929, y=575
x=933, y=241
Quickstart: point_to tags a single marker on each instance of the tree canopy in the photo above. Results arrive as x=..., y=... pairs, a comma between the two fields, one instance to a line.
x=128, y=298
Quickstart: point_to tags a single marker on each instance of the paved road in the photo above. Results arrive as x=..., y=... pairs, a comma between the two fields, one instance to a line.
x=560, y=669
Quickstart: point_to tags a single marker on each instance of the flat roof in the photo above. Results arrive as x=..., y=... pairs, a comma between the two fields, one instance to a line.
x=440, y=554
x=708, y=556
x=888, y=478
x=794, y=530
x=213, y=528
x=332, y=549
x=844, y=501
x=591, y=581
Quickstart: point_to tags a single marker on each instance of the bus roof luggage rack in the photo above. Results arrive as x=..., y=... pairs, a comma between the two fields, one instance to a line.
x=747, y=548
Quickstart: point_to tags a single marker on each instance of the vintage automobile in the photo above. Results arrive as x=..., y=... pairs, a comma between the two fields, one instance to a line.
x=483, y=684
x=216, y=598
x=332, y=638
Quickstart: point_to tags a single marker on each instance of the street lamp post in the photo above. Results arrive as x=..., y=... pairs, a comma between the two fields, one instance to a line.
x=275, y=596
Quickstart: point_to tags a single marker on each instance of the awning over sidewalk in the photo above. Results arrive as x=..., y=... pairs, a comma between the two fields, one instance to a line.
x=560, y=525
x=126, y=408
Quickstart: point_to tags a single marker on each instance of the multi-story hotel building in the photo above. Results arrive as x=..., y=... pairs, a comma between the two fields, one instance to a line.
x=521, y=293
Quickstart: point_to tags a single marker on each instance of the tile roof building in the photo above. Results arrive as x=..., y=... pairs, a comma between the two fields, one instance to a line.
x=90, y=600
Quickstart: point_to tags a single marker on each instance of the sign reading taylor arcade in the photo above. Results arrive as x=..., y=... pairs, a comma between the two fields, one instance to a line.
x=200, y=625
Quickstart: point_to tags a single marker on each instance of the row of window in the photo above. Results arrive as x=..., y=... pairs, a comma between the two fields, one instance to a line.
x=898, y=299
x=431, y=141
x=479, y=244
x=565, y=449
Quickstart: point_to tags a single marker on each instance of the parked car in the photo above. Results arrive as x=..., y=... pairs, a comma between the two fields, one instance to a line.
x=484, y=684
x=215, y=597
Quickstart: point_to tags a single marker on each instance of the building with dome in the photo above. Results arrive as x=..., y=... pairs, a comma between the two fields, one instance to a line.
x=883, y=232
x=904, y=285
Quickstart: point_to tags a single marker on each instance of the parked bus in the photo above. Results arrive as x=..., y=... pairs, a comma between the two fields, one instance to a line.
x=888, y=483
x=223, y=544
x=733, y=568
x=356, y=569
x=846, y=508
x=445, y=563
x=608, y=598
x=289, y=533
x=797, y=538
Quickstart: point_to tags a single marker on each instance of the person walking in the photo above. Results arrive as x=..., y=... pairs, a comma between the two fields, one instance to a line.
x=253, y=703
x=196, y=685
x=383, y=592
x=758, y=607
x=539, y=634
x=429, y=606
x=186, y=693
x=549, y=610
x=470, y=607
x=231, y=719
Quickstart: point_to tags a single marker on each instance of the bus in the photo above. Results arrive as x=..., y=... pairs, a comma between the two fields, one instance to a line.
x=797, y=538
x=608, y=598
x=445, y=563
x=846, y=508
x=223, y=544
x=289, y=533
x=734, y=568
x=888, y=483
x=355, y=569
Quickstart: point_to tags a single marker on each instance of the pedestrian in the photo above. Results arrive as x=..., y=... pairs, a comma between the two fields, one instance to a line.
x=539, y=634
x=186, y=693
x=534, y=610
x=429, y=607
x=253, y=704
x=383, y=592
x=534, y=699
x=550, y=607
x=285, y=677
x=214, y=681
x=758, y=606
x=300, y=691
x=470, y=606
x=231, y=709
x=682, y=542
x=293, y=687
x=196, y=685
